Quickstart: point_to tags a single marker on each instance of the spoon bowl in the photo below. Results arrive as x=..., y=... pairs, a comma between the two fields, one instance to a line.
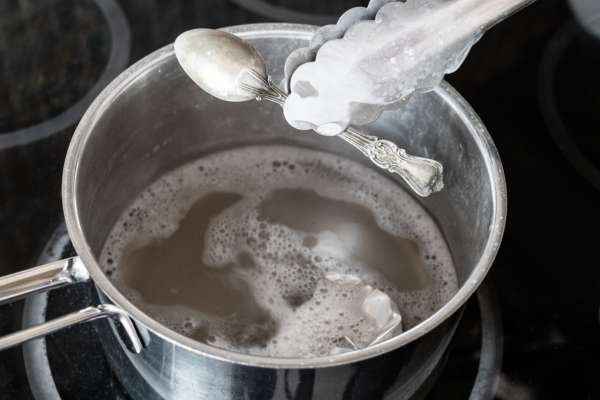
x=218, y=62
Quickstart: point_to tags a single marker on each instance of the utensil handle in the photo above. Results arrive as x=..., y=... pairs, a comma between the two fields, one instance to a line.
x=52, y=276
x=425, y=176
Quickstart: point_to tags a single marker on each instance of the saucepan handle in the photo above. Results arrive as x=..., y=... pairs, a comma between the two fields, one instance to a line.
x=51, y=276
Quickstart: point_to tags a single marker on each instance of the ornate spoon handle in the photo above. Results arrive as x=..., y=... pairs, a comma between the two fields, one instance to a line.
x=424, y=176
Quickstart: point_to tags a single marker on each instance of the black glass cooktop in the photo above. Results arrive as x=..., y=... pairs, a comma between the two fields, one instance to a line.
x=532, y=332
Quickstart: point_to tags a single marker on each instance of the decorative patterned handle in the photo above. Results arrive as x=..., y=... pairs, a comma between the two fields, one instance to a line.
x=423, y=175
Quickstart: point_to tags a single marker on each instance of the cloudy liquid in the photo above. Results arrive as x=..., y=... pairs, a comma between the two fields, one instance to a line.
x=234, y=249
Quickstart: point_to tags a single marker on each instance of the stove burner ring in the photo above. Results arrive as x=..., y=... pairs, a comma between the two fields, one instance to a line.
x=43, y=387
x=548, y=105
x=35, y=356
x=284, y=14
x=42, y=383
x=119, y=56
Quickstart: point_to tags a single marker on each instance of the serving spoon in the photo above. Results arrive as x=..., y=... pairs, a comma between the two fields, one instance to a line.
x=231, y=69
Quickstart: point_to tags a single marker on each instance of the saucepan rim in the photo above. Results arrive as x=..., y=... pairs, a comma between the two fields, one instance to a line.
x=85, y=130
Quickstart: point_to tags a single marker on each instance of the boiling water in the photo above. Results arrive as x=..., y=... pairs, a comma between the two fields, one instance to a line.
x=273, y=250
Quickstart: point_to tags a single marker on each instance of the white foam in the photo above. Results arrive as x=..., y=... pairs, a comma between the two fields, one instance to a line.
x=332, y=308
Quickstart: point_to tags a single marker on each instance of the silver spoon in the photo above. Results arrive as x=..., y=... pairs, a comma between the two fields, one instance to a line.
x=230, y=69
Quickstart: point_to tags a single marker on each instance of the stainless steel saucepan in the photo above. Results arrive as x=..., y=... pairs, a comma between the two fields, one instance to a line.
x=152, y=119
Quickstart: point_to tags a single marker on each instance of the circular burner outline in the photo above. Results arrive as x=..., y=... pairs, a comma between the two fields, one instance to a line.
x=550, y=113
x=43, y=387
x=118, y=58
x=492, y=345
x=284, y=14
x=35, y=355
